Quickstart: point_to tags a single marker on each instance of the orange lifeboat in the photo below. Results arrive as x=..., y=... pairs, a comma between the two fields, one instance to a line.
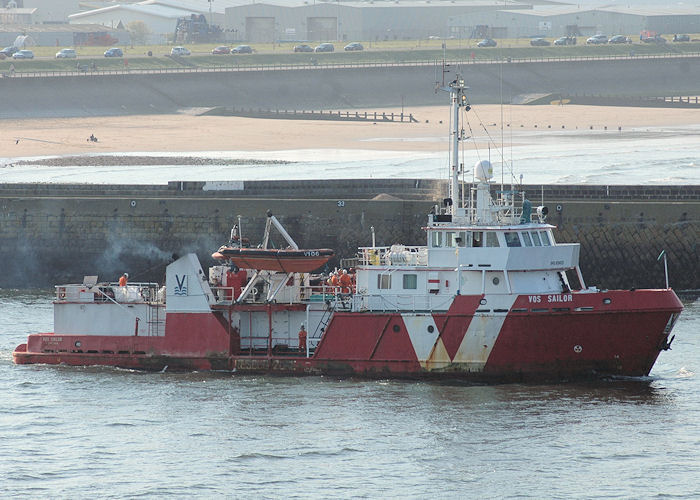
x=286, y=260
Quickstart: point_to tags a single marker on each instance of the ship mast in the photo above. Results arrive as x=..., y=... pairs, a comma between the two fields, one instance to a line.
x=456, y=88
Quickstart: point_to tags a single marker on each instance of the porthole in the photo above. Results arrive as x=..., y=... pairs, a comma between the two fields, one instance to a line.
x=496, y=281
x=78, y=343
x=396, y=328
x=482, y=302
x=607, y=300
x=431, y=328
x=133, y=203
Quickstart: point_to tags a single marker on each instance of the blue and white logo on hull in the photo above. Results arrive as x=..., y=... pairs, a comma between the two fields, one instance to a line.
x=188, y=289
x=180, y=285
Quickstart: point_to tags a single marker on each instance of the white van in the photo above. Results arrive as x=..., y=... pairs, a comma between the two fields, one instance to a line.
x=179, y=51
x=66, y=54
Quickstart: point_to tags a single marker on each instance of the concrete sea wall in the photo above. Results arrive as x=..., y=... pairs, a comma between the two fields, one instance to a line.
x=58, y=233
x=341, y=88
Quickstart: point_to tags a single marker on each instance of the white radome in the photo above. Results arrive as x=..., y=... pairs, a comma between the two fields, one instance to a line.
x=483, y=170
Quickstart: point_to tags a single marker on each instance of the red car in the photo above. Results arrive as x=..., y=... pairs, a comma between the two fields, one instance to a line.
x=222, y=49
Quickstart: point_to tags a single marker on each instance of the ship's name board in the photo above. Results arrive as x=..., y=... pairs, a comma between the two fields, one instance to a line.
x=538, y=299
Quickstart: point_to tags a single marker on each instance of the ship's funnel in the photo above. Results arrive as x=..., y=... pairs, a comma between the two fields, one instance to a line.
x=483, y=170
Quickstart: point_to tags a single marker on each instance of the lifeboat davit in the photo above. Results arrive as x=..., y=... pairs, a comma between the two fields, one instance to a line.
x=288, y=260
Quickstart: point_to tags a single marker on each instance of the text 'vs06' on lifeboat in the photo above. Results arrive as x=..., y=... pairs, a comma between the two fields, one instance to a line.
x=287, y=260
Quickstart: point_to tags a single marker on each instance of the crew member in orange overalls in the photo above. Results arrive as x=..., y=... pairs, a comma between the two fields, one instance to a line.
x=302, y=339
x=124, y=278
x=335, y=281
x=345, y=282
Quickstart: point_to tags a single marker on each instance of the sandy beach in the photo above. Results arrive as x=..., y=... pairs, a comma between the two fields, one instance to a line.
x=189, y=133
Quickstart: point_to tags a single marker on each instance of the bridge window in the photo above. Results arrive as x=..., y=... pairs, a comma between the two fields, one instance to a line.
x=384, y=281
x=491, y=239
x=410, y=281
x=477, y=240
x=461, y=239
x=436, y=239
x=536, y=239
x=545, y=238
x=455, y=239
x=526, y=239
x=512, y=239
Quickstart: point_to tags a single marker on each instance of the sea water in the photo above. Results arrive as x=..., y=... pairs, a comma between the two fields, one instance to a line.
x=69, y=432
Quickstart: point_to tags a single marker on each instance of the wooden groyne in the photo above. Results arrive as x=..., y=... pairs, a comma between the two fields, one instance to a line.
x=294, y=114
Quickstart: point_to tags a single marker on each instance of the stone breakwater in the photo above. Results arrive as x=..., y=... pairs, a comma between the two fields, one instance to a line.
x=57, y=233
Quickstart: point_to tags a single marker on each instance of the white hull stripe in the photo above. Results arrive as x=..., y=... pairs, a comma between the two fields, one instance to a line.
x=476, y=345
x=483, y=332
x=423, y=340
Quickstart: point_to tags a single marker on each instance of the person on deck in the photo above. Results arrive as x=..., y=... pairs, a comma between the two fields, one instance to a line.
x=123, y=280
x=335, y=281
x=302, y=338
x=345, y=282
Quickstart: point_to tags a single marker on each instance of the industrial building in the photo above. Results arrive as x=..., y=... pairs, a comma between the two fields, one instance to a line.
x=63, y=35
x=359, y=20
x=45, y=11
x=556, y=21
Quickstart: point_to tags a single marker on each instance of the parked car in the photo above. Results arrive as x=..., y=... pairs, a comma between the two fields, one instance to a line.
x=8, y=51
x=180, y=51
x=303, y=48
x=114, y=52
x=654, y=39
x=487, y=42
x=353, y=46
x=242, y=49
x=620, y=39
x=597, y=40
x=66, y=54
x=681, y=38
x=23, y=54
x=325, y=47
x=221, y=49
x=565, y=40
x=539, y=42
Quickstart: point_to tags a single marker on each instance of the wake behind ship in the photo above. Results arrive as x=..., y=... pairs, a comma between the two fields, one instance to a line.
x=490, y=297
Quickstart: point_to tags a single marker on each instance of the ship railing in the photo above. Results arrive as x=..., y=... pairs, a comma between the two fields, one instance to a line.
x=223, y=295
x=393, y=255
x=146, y=292
x=327, y=293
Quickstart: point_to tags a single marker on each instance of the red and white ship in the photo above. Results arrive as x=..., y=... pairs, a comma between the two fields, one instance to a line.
x=490, y=297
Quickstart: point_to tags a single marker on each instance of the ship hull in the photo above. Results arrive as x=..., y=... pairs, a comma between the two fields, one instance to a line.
x=579, y=336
